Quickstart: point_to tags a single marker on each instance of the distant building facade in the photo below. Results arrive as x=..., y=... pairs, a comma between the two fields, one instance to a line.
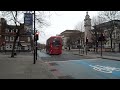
x=7, y=36
x=106, y=30
x=67, y=35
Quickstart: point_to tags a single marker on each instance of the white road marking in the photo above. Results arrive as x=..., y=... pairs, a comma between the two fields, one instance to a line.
x=105, y=69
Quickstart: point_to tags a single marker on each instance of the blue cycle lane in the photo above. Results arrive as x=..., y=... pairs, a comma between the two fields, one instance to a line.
x=89, y=68
x=41, y=54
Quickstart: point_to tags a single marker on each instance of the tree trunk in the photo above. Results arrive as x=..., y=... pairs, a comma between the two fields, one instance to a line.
x=12, y=55
x=111, y=42
x=96, y=47
x=16, y=37
x=69, y=47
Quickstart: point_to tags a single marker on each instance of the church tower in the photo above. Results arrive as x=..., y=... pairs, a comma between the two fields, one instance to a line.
x=87, y=27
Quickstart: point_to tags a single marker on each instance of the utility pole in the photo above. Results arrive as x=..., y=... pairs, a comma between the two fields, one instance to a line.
x=34, y=40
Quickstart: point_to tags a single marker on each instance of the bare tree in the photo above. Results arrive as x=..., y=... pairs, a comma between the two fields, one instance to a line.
x=79, y=26
x=69, y=42
x=15, y=17
x=74, y=37
x=94, y=33
x=110, y=16
x=96, y=21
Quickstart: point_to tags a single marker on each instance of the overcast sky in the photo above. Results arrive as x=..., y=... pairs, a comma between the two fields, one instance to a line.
x=63, y=20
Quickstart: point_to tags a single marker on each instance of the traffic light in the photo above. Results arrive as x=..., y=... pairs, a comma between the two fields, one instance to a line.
x=36, y=36
x=101, y=38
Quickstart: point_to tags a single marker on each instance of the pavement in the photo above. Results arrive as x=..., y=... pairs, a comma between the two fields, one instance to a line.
x=22, y=67
x=105, y=55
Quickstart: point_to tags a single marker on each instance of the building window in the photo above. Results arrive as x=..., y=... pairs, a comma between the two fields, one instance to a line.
x=118, y=37
x=6, y=38
x=12, y=30
x=16, y=47
x=16, y=30
x=9, y=30
x=113, y=35
x=6, y=30
x=11, y=38
x=28, y=39
x=10, y=46
x=18, y=39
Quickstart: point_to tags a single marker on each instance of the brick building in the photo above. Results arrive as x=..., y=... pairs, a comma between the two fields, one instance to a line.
x=7, y=36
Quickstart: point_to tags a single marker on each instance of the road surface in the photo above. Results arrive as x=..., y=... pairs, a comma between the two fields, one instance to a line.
x=69, y=66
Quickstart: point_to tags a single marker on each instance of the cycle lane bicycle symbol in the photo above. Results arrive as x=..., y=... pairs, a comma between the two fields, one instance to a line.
x=105, y=69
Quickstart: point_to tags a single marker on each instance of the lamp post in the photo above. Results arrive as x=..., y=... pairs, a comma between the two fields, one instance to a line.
x=86, y=44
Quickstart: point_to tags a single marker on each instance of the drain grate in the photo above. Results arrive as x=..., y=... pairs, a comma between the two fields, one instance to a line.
x=53, y=70
x=66, y=77
x=53, y=64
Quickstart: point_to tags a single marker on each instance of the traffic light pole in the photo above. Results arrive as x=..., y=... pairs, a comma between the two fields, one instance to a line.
x=86, y=45
x=86, y=48
x=36, y=49
x=34, y=40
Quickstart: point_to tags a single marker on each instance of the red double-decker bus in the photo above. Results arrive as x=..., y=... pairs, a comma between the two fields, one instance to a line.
x=54, y=45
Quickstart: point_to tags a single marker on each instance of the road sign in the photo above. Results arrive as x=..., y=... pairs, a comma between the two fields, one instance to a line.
x=28, y=19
